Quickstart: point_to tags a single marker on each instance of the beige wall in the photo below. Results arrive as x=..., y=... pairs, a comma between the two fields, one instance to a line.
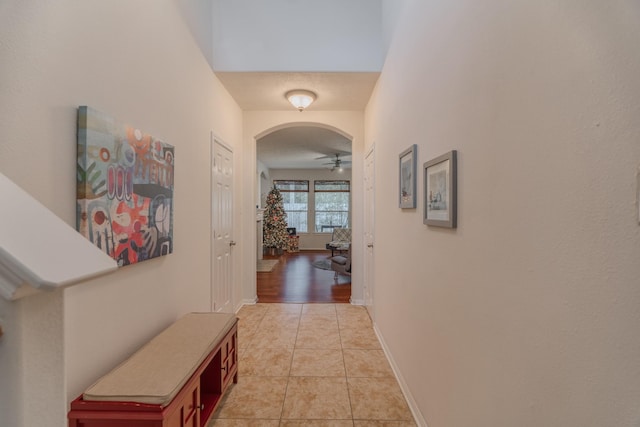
x=138, y=62
x=526, y=314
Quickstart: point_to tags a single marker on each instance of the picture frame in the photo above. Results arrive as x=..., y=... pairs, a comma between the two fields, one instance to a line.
x=407, y=178
x=440, y=191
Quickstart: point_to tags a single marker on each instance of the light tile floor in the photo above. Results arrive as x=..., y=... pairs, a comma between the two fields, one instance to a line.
x=311, y=365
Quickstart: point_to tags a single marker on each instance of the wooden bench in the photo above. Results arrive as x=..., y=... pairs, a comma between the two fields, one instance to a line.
x=177, y=379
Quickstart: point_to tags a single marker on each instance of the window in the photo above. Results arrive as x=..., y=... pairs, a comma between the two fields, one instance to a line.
x=332, y=205
x=295, y=198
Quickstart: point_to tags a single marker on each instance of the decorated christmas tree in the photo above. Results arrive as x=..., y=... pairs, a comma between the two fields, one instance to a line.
x=275, y=221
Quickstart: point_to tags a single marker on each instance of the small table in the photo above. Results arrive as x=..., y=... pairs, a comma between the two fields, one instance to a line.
x=294, y=244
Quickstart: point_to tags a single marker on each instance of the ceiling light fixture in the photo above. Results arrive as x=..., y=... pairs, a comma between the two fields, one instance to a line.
x=300, y=99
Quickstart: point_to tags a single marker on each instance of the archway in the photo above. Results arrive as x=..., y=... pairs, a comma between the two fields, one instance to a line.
x=257, y=125
x=311, y=165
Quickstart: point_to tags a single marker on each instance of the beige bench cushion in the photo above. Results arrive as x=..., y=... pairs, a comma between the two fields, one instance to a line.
x=156, y=373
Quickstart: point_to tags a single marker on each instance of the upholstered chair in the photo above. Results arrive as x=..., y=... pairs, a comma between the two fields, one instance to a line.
x=340, y=240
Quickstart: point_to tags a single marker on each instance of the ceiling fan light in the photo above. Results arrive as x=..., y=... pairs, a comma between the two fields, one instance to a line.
x=300, y=99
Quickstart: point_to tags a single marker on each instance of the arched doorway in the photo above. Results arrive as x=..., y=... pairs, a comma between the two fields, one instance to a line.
x=311, y=166
x=261, y=124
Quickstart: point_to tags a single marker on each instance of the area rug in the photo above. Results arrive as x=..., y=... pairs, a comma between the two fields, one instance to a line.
x=266, y=265
x=323, y=264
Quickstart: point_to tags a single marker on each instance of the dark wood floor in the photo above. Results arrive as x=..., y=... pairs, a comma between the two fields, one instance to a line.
x=295, y=280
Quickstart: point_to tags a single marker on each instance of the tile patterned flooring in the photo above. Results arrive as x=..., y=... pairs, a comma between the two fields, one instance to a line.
x=318, y=365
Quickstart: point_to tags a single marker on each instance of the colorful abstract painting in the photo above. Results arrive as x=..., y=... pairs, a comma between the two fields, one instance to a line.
x=124, y=189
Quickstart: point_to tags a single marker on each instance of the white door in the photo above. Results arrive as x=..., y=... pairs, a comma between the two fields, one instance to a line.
x=221, y=227
x=369, y=192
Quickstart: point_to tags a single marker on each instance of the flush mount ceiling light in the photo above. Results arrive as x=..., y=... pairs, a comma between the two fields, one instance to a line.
x=300, y=99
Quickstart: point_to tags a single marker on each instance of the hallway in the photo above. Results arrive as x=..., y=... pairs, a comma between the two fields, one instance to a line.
x=311, y=365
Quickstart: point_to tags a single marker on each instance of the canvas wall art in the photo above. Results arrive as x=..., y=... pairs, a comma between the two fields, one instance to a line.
x=124, y=189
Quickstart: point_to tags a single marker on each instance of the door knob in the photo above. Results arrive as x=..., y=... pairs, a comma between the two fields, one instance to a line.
x=370, y=245
x=232, y=243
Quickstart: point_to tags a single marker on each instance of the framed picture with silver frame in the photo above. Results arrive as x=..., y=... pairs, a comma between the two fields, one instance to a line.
x=407, y=178
x=440, y=191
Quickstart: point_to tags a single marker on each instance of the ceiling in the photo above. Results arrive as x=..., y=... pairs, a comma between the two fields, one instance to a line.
x=303, y=147
x=265, y=91
x=299, y=147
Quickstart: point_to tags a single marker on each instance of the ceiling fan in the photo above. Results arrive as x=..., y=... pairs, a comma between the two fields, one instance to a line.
x=336, y=163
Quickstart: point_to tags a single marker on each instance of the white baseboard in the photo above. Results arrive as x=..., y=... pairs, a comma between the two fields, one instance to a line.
x=356, y=301
x=246, y=302
x=249, y=301
x=413, y=406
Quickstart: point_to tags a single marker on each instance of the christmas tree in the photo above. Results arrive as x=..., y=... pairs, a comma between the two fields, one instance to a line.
x=275, y=221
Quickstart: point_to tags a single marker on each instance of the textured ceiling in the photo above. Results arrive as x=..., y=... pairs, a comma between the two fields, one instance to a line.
x=265, y=91
x=300, y=147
